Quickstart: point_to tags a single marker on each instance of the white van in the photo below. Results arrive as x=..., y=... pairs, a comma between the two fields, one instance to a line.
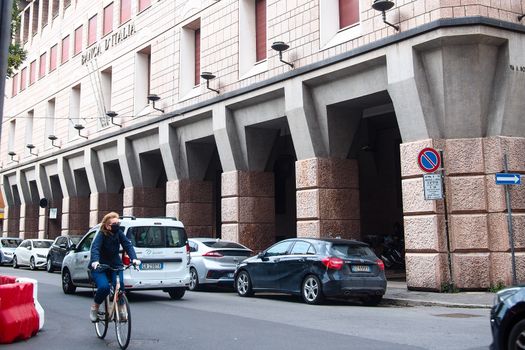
x=160, y=243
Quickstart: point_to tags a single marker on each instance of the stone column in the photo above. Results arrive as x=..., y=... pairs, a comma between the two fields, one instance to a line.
x=191, y=201
x=29, y=220
x=248, y=208
x=103, y=203
x=54, y=226
x=144, y=201
x=12, y=221
x=75, y=215
x=328, y=198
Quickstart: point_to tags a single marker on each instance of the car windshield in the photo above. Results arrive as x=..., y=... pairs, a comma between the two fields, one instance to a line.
x=11, y=243
x=42, y=244
x=223, y=244
x=157, y=237
x=75, y=240
x=350, y=251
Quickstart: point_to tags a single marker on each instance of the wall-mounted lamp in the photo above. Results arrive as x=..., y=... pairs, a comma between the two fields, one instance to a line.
x=154, y=98
x=208, y=76
x=384, y=5
x=53, y=138
x=30, y=146
x=521, y=17
x=12, y=155
x=113, y=114
x=281, y=46
x=79, y=127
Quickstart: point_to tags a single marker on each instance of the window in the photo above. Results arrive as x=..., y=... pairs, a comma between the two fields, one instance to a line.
x=106, y=81
x=54, y=8
x=142, y=78
x=45, y=12
x=14, y=88
x=29, y=128
x=108, y=19
x=67, y=3
x=144, y=4
x=26, y=25
x=348, y=12
x=278, y=249
x=23, y=79
x=78, y=41
x=302, y=248
x=197, y=56
x=92, y=30
x=53, y=58
x=65, y=49
x=189, y=75
x=42, y=66
x=157, y=237
x=125, y=10
x=11, y=139
x=74, y=110
x=85, y=245
x=32, y=72
x=35, y=12
x=260, y=29
x=50, y=122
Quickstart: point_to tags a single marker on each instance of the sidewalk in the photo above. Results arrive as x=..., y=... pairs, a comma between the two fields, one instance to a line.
x=398, y=294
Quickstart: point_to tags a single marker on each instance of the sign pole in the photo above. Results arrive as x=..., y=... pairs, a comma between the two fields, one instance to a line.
x=449, y=254
x=509, y=223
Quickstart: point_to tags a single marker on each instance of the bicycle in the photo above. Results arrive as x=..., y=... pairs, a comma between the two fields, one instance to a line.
x=111, y=311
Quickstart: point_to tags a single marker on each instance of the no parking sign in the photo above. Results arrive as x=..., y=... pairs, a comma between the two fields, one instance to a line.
x=429, y=160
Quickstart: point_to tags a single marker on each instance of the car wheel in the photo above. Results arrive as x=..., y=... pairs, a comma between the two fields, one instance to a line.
x=373, y=300
x=67, y=283
x=194, y=280
x=517, y=336
x=15, y=262
x=49, y=265
x=243, y=284
x=311, y=290
x=32, y=265
x=176, y=293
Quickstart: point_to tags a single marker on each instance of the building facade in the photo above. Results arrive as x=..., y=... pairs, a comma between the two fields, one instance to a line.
x=189, y=109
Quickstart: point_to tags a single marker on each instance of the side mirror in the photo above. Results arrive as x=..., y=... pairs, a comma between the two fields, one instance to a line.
x=72, y=247
x=262, y=256
x=63, y=245
x=29, y=248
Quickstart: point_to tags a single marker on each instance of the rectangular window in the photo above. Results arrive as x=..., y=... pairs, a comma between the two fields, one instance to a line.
x=74, y=111
x=125, y=10
x=23, y=79
x=106, y=81
x=78, y=41
x=65, y=50
x=144, y=4
x=50, y=122
x=197, y=56
x=32, y=72
x=45, y=12
x=14, y=88
x=29, y=128
x=67, y=3
x=142, y=78
x=92, y=30
x=35, y=13
x=260, y=29
x=42, y=66
x=54, y=9
x=108, y=19
x=53, y=58
x=26, y=26
x=348, y=12
x=11, y=139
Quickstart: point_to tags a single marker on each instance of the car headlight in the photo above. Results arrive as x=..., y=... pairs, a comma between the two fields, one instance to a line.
x=504, y=294
x=41, y=256
x=7, y=253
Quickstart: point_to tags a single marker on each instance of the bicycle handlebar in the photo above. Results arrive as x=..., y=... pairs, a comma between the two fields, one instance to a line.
x=102, y=267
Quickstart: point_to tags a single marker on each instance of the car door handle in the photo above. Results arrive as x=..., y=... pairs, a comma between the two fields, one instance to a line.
x=85, y=256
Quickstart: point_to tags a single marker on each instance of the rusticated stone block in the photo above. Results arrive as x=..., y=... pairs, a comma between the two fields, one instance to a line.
x=348, y=229
x=172, y=191
x=196, y=214
x=514, y=147
x=65, y=205
x=494, y=150
x=189, y=191
x=94, y=217
x=409, y=153
x=94, y=201
x=307, y=204
x=172, y=210
x=520, y=267
x=327, y=173
x=499, y=232
x=230, y=184
x=128, y=197
x=500, y=269
x=426, y=271
x=414, y=198
x=425, y=233
x=468, y=232
x=199, y=231
x=464, y=156
x=466, y=193
x=79, y=204
x=256, y=209
x=230, y=210
x=230, y=232
x=339, y=204
x=256, y=184
x=517, y=196
x=309, y=228
x=257, y=236
x=471, y=271
x=495, y=195
x=306, y=173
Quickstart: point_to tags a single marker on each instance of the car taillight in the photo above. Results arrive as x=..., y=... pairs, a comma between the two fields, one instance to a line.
x=125, y=259
x=333, y=263
x=213, y=254
x=187, y=248
x=380, y=264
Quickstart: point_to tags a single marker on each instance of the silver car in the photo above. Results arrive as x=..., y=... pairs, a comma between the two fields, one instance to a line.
x=213, y=261
x=7, y=249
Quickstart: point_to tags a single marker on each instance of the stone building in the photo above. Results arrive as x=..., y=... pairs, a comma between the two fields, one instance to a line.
x=188, y=109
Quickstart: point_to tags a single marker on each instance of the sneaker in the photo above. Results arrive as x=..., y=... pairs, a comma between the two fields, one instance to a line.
x=93, y=315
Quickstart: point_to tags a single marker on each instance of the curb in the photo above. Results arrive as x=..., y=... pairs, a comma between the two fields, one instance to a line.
x=415, y=302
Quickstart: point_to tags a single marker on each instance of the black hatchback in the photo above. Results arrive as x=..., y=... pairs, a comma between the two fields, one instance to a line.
x=315, y=269
x=507, y=319
x=58, y=250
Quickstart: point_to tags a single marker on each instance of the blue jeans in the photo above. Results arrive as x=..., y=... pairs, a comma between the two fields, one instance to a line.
x=101, y=279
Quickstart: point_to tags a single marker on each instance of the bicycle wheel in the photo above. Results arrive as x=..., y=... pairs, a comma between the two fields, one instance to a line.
x=123, y=325
x=101, y=326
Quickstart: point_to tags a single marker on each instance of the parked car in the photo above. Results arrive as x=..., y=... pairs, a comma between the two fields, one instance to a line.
x=315, y=269
x=213, y=261
x=160, y=243
x=58, y=251
x=7, y=249
x=32, y=253
x=507, y=319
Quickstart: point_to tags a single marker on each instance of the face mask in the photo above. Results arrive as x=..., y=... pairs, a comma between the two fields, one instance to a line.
x=115, y=227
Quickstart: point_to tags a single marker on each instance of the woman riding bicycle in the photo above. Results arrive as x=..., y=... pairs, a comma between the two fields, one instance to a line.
x=105, y=250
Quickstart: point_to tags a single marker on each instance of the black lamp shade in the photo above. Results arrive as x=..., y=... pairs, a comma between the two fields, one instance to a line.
x=280, y=46
x=382, y=5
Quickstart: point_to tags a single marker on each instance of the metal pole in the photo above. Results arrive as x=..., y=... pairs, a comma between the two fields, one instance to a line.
x=6, y=7
x=509, y=223
x=447, y=235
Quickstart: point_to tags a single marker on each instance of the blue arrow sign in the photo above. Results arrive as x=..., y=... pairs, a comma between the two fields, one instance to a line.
x=508, y=179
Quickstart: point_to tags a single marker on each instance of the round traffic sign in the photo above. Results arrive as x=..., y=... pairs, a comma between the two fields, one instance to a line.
x=429, y=160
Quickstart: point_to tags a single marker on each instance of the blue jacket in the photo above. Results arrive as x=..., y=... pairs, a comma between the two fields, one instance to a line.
x=105, y=249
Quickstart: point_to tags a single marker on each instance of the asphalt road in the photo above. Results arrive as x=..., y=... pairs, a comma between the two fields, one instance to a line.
x=219, y=319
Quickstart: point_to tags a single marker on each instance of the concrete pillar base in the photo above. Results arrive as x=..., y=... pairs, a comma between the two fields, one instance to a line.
x=144, y=202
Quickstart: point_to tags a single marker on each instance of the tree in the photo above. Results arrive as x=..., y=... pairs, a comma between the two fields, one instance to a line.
x=17, y=54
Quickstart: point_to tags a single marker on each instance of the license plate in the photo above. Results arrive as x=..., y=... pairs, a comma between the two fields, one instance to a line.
x=360, y=268
x=151, y=266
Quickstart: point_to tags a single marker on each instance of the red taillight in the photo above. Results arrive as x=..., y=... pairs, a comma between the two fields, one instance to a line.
x=125, y=259
x=213, y=254
x=187, y=248
x=380, y=264
x=333, y=263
